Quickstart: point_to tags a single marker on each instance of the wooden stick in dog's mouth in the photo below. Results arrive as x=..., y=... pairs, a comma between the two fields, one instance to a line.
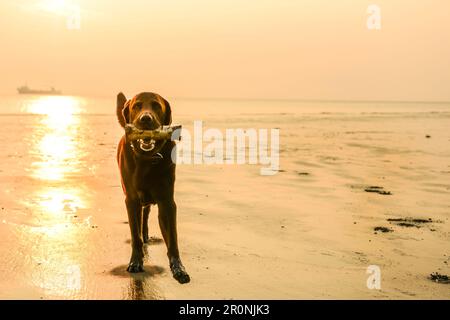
x=163, y=133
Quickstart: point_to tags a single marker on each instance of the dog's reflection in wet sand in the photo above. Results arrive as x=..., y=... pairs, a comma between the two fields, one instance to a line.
x=140, y=286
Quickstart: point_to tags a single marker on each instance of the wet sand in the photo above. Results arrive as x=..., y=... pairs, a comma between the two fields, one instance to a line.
x=306, y=232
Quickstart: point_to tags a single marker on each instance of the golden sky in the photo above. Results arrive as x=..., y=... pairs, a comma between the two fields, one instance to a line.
x=308, y=49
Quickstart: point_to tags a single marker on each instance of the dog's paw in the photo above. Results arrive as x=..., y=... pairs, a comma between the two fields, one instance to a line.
x=179, y=273
x=182, y=277
x=135, y=267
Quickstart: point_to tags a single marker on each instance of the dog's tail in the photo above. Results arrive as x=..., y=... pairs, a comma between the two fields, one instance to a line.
x=121, y=101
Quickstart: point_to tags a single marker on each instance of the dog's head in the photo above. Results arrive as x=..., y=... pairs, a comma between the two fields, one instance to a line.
x=146, y=111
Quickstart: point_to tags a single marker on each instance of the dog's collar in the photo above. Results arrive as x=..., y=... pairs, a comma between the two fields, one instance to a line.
x=153, y=158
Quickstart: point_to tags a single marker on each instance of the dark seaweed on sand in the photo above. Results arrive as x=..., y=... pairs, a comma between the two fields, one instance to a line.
x=440, y=278
x=382, y=229
x=429, y=220
x=409, y=222
x=377, y=189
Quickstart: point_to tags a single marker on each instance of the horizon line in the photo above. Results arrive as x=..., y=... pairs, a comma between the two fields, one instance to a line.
x=312, y=100
x=315, y=100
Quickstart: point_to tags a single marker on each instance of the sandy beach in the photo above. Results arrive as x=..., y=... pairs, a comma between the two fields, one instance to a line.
x=306, y=232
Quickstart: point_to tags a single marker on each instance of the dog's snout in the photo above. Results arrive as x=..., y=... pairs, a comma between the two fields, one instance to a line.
x=147, y=121
x=146, y=118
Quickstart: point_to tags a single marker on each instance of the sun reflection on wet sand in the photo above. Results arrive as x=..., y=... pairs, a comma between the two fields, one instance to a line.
x=56, y=232
x=58, y=147
x=57, y=203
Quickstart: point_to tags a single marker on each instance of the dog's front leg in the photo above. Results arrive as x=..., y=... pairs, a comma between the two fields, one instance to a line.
x=167, y=217
x=146, y=213
x=134, y=210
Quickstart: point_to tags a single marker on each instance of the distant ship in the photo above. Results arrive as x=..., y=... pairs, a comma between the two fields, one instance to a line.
x=26, y=90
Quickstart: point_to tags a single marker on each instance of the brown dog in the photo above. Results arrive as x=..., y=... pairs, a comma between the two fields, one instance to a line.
x=148, y=177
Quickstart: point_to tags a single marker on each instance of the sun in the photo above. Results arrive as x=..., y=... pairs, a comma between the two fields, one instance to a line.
x=59, y=7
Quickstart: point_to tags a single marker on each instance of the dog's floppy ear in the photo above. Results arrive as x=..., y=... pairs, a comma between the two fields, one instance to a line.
x=122, y=114
x=168, y=115
x=126, y=112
